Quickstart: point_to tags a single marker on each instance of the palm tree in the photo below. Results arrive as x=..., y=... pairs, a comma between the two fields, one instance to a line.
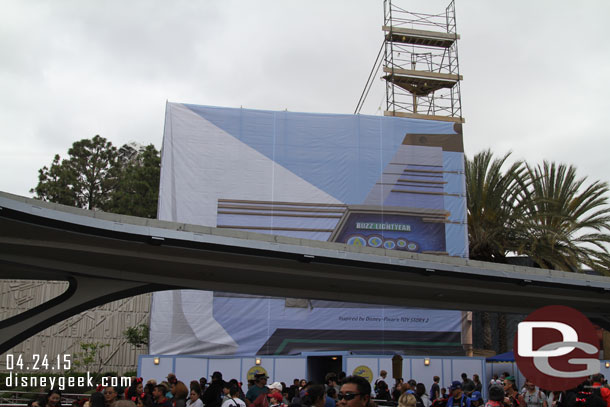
x=544, y=212
x=566, y=221
x=492, y=201
x=493, y=215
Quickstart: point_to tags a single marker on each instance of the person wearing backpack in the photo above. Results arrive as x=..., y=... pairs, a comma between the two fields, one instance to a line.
x=533, y=396
x=382, y=375
x=382, y=392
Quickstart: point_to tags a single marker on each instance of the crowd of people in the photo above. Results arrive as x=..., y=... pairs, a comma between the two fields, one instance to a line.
x=337, y=391
x=502, y=392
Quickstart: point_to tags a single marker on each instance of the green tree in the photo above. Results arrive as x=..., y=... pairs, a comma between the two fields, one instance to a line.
x=137, y=335
x=137, y=191
x=55, y=183
x=84, y=179
x=98, y=176
x=544, y=212
x=566, y=221
x=492, y=197
x=493, y=214
x=90, y=357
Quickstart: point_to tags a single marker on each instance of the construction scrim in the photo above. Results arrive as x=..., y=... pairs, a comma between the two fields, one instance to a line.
x=384, y=182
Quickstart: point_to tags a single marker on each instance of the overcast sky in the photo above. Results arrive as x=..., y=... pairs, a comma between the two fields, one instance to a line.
x=536, y=73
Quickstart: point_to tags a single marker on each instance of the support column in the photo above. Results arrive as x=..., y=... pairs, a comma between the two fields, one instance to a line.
x=467, y=332
x=82, y=294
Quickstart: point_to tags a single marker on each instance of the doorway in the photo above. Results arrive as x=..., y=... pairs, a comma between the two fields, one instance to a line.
x=319, y=366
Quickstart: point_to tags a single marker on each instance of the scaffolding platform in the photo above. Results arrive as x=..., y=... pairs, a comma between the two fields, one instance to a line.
x=420, y=83
x=419, y=37
x=425, y=116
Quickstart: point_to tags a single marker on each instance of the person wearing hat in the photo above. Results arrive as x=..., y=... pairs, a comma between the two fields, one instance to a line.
x=260, y=387
x=263, y=398
x=275, y=388
x=275, y=399
x=476, y=399
x=212, y=397
x=458, y=398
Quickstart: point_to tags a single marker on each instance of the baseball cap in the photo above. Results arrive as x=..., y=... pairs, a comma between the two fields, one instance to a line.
x=260, y=376
x=455, y=385
x=275, y=386
x=475, y=396
x=276, y=395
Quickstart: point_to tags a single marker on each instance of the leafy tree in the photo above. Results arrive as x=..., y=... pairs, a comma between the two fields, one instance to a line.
x=98, y=176
x=137, y=189
x=55, y=183
x=137, y=335
x=90, y=358
x=84, y=179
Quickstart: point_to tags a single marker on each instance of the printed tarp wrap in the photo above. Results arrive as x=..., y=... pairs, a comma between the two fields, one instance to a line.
x=364, y=180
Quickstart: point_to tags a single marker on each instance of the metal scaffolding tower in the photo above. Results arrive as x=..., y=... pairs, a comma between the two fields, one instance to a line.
x=421, y=64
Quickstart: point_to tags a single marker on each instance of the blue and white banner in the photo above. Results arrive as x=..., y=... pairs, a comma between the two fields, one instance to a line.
x=374, y=181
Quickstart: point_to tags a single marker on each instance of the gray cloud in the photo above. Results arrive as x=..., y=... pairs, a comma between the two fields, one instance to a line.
x=535, y=72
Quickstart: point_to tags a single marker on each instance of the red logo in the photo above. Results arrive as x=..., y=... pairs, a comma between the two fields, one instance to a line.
x=556, y=347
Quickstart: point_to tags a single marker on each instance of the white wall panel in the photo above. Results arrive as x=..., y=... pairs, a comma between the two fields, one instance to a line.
x=188, y=369
x=230, y=368
x=158, y=372
x=288, y=369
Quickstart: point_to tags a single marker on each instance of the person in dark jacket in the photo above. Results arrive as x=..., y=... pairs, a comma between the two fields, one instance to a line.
x=213, y=395
x=383, y=392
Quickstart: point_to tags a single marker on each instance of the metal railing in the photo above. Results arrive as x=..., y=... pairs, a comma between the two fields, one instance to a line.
x=22, y=398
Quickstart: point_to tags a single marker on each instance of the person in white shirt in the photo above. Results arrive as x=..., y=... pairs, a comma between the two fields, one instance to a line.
x=194, y=400
x=233, y=400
